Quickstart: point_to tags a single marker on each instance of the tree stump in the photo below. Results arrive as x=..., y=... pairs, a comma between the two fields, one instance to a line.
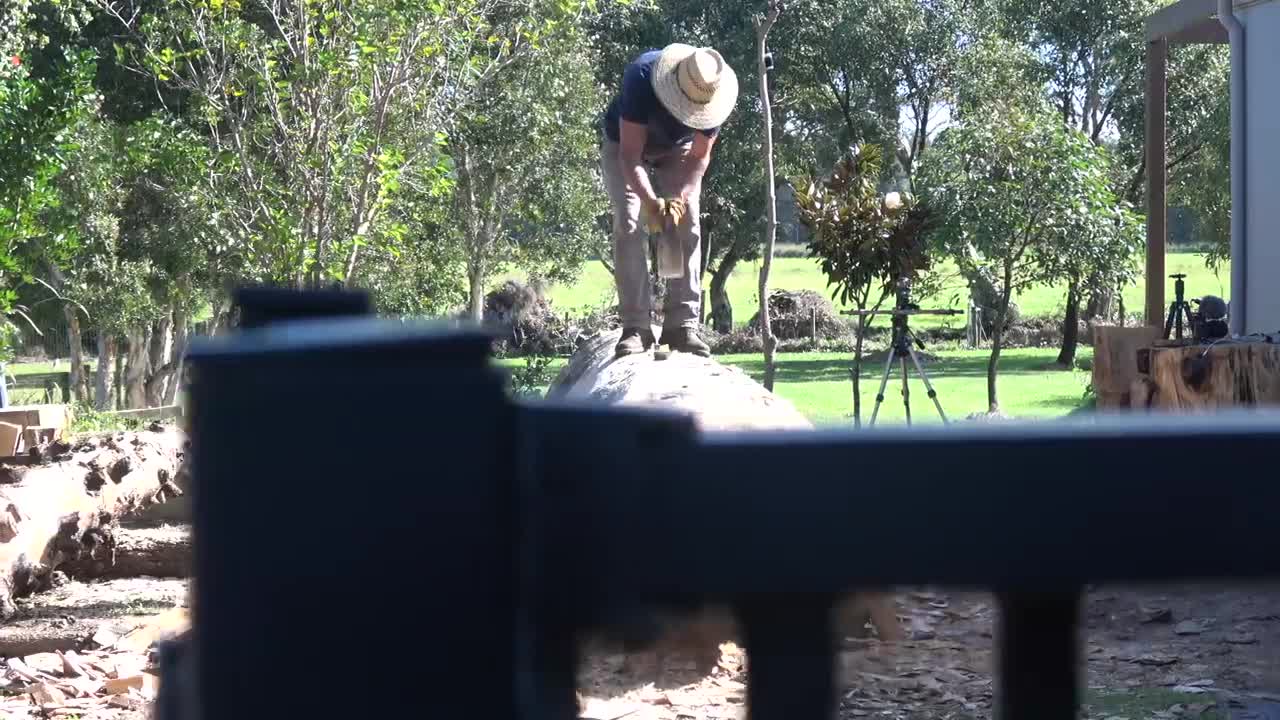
x=62, y=501
x=1205, y=378
x=718, y=398
x=1115, y=363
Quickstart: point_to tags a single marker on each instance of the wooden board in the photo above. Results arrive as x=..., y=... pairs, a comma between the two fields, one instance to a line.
x=1115, y=361
x=10, y=437
x=1202, y=378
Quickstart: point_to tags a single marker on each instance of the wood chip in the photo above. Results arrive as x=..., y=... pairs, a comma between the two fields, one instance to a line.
x=143, y=682
x=72, y=666
x=83, y=686
x=47, y=695
x=128, y=702
x=123, y=666
x=104, y=638
x=19, y=668
x=167, y=624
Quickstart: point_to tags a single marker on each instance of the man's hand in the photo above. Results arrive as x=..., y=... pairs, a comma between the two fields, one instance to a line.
x=676, y=210
x=655, y=214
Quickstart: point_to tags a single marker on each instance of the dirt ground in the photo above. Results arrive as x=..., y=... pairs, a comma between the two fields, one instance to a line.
x=1186, y=652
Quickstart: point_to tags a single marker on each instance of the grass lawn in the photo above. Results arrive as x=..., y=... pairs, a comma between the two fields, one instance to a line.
x=594, y=288
x=35, y=368
x=819, y=385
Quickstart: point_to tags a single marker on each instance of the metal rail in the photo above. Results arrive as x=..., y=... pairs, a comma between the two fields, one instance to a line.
x=440, y=555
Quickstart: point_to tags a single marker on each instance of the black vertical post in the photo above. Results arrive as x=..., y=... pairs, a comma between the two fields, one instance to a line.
x=405, y=542
x=1039, y=674
x=790, y=657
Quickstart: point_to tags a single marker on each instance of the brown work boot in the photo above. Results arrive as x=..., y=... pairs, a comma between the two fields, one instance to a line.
x=634, y=341
x=685, y=340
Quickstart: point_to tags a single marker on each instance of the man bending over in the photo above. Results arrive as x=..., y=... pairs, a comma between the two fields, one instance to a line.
x=662, y=126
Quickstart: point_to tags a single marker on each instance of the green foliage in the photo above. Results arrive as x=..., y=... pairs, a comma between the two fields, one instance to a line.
x=86, y=419
x=1027, y=201
x=1029, y=194
x=997, y=71
x=525, y=155
x=38, y=114
x=530, y=382
x=865, y=242
x=320, y=115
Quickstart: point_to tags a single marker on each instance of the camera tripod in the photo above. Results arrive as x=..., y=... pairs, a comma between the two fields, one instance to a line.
x=1179, y=309
x=901, y=350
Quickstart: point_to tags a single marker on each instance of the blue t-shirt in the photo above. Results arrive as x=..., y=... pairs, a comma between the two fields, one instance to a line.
x=638, y=103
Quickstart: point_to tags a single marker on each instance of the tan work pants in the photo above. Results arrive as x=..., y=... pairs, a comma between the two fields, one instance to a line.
x=630, y=242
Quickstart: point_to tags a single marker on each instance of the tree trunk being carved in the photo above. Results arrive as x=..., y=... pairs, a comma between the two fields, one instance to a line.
x=718, y=398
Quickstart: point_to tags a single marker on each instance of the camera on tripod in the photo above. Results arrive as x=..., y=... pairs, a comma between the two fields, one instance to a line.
x=900, y=349
x=1207, y=324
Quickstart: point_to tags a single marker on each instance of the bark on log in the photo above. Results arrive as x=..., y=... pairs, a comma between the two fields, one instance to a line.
x=163, y=552
x=1196, y=378
x=65, y=505
x=718, y=398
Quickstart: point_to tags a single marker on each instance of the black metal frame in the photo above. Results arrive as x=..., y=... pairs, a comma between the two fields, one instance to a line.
x=480, y=539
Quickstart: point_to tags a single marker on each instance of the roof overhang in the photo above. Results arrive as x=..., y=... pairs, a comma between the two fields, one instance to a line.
x=1188, y=22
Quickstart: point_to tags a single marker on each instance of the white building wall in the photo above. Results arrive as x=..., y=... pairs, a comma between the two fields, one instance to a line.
x=1262, y=176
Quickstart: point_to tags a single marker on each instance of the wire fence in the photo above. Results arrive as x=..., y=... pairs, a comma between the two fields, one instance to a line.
x=40, y=370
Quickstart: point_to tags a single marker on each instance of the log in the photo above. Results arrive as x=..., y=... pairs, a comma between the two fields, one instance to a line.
x=1206, y=378
x=161, y=552
x=63, y=501
x=718, y=398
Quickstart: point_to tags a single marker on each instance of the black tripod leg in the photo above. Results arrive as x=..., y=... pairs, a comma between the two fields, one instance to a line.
x=906, y=392
x=1168, y=323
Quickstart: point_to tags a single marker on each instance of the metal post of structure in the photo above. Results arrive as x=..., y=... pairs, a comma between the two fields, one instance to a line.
x=1157, y=172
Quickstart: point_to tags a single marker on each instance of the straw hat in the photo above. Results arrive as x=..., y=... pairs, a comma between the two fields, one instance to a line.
x=696, y=85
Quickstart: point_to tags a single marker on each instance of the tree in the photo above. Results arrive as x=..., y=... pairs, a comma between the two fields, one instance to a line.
x=525, y=158
x=866, y=242
x=1091, y=57
x=316, y=112
x=1021, y=189
x=763, y=24
x=44, y=93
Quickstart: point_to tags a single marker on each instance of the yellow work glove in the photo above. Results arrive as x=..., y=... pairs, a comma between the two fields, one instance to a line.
x=676, y=210
x=655, y=223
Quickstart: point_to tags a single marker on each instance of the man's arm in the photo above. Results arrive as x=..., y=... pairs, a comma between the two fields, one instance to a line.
x=696, y=163
x=632, y=137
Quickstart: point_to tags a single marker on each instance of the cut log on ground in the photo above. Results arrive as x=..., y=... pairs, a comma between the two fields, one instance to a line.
x=719, y=398
x=1200, y=378
x=159, y=552
x=61, y=502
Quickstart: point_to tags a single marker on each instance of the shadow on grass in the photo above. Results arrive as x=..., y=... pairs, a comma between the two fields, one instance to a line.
x=829, y=369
